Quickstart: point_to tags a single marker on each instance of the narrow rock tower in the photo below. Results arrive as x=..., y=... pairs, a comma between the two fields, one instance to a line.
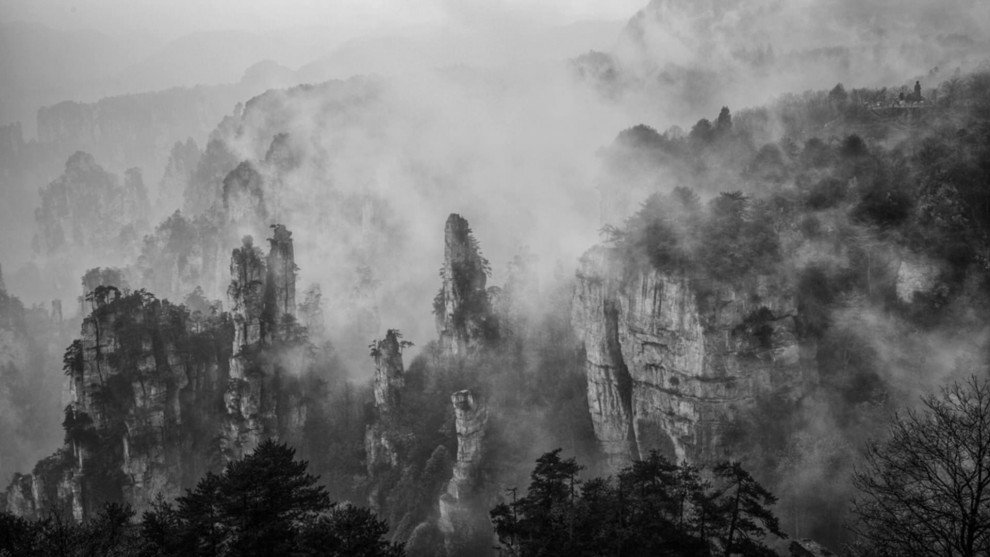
x=389, y=380
x=463, y=311
x=263, y=298
x=463, y=518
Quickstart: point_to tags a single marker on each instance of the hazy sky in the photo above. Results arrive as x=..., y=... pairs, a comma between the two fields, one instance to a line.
x=176, y=17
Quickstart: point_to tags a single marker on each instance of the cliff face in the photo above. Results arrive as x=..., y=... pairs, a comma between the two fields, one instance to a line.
x=379, y=448
x=665, y=362
x=462, y=307
x=461, y=517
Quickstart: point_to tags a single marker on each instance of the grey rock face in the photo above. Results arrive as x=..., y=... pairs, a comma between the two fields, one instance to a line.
x=665, y=362
x=463, y=309
x=135, y=385
x=379, y=448
x=459, y=515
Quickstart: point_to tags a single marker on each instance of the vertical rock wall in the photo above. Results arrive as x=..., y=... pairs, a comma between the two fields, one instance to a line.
x=665, y=363
x=280, y=294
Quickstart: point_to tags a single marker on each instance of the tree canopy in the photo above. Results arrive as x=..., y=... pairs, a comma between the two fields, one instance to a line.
x=653, y=507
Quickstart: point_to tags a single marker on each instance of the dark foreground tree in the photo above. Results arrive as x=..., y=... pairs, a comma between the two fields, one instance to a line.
x=265, y=504
x=925, y=489
x=654, y=507
x=109, y=534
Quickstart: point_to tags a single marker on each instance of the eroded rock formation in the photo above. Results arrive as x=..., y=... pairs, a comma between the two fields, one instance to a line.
x=379, y=447
x=262, y=296
x=462, y=307
x=145, y=382
x=153, y=386
x=88, y=207
x=462, y=517
x=665, y=362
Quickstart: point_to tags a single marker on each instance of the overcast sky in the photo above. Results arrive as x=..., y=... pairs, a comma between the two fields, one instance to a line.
x=170, y=18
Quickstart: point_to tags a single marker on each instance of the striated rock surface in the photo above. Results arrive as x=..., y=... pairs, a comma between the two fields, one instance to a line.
x=462, y=518
x=262, y=296
x=666, y=362
x=280, y=293
x=379, y=447
x=462, y=307
x=387, y=354
x=246, y=292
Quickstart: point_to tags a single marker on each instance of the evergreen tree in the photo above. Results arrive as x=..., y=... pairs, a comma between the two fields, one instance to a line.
x=265, y=504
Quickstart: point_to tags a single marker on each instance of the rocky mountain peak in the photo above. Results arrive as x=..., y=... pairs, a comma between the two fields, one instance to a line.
x=462, y=307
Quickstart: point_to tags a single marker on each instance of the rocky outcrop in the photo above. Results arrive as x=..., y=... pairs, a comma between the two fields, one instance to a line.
x=144, y=385
x=666, y=363
x=246, y=293
x=463, y=310
x=262, y=296
x=280, y=286
x=379, y=447
x=389, y=380
x=159, y=395
x=462, y=517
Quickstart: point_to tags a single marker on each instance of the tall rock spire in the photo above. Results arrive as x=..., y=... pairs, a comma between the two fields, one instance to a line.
x=389, y=380
x=246, y=292
x=462, y=307
x=263, y=298
x=388, y=370
x=460, y=521
x=281, y=280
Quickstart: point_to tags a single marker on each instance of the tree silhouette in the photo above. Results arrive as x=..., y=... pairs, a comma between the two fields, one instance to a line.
x=925, y=489
x=654, y=507
x=265, y=504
